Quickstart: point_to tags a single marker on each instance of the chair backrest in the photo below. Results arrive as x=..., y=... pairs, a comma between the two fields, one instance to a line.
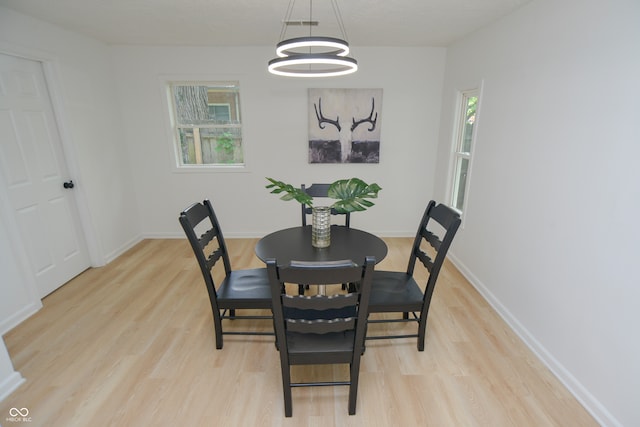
x=320, y=190
x=321, y=314
x=435, y=241
x=205, y=236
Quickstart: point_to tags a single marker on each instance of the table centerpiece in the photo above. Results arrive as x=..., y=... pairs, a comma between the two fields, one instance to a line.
x=351, y=195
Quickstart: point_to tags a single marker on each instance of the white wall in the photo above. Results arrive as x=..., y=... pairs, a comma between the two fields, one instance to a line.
x=550, y=233
x=275, y=136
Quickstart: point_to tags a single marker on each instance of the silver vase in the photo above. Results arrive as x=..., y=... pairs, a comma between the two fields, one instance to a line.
x=321, y=226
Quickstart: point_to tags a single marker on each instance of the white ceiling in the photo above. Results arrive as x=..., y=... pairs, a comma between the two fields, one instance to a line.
x=259, y=22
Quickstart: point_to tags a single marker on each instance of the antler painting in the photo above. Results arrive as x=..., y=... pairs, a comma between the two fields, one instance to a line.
x=344, y=125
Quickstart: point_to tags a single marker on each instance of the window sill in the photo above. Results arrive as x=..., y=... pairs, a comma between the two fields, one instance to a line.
x=240, y=168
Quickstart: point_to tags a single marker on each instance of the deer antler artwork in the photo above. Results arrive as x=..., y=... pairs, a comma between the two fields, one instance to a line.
x=343, y=102
x=322, y=119
x=368, y=119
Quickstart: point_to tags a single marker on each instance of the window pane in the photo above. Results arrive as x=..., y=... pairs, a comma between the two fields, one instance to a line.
x=461, y=183
x=191, y=105
x=469, y=121
x=220, y=113
x=463, y=142
x=187, y=149
x=221, y=145
x=208, y=125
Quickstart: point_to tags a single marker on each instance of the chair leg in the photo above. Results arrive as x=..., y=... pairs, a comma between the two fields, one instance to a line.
x=217, y=326
x=286, y=385
x=353, y=387
x=422, y=331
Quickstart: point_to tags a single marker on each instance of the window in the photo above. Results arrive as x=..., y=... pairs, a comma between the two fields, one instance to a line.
x=463, y=145
x=220, y=112
x=207, y=124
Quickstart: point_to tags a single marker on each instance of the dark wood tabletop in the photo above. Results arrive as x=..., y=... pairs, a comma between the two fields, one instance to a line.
x=295, y=244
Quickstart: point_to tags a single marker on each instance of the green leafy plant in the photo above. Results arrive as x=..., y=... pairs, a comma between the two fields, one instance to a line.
x=352, y=194
x=225, y=143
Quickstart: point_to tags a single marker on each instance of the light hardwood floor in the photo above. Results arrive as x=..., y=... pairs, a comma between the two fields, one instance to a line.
x=132, y=343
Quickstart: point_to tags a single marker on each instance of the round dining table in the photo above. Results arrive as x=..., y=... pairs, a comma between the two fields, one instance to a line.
x=294, y=244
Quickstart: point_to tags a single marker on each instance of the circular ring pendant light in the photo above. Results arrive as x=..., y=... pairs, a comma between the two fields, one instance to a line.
x=312, y=56
x=302, y=45
x=312, y=65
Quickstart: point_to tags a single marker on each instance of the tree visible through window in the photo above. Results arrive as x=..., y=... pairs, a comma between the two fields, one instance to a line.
x=463, y=146
x=207, y=125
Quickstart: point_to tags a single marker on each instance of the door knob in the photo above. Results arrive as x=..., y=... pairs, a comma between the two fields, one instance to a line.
x=68, y=184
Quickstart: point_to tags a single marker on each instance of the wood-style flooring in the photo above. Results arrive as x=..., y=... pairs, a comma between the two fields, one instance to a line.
x=131, y=344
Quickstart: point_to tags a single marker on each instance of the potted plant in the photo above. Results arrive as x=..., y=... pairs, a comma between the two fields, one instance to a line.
x=351, y=195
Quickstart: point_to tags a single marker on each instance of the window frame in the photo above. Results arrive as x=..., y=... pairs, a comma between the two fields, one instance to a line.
x=172, y=127
x=458, y=156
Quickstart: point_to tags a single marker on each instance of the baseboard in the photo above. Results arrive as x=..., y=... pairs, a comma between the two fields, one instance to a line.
x=12, y=321
x=122, y=249
x=575, y=387
x=9, y=384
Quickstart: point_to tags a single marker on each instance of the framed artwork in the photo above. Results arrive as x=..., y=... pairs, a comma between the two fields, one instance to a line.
x=344, y=125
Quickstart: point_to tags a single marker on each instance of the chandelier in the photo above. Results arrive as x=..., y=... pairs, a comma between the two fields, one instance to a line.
x=311, y=55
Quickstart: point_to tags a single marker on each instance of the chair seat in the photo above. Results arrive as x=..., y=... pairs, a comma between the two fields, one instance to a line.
x=336, y=347
x=250, y=286
x=394, y=291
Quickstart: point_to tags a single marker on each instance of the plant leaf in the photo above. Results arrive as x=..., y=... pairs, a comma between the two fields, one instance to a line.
x=352, y=194
x=292, y=193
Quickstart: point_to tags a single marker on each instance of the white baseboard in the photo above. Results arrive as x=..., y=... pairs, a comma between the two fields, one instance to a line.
x=575, y=387
x=122, y=249
x=25, y=312
x=9, y=384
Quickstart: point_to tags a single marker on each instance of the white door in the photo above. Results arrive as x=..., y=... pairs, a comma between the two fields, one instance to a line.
x=33, y=172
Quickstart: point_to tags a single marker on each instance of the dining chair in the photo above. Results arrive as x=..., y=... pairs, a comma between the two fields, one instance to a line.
x=320, y=190
x=398, y=291
x=239, y=289
x=320, y=329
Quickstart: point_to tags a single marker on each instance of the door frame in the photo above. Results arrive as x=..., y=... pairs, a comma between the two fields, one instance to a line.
x=50, y=69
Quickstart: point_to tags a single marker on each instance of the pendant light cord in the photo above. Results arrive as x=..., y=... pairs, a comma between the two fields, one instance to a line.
x=336, y=11
x=287, y=17
x=310, y=26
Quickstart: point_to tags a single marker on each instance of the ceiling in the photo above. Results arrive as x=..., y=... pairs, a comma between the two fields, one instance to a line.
x=259, y=22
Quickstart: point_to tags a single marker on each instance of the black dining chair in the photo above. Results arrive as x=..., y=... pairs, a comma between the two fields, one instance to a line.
x=240, y=289
x=320, y=329
x=398, y=291
x=320, y=190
